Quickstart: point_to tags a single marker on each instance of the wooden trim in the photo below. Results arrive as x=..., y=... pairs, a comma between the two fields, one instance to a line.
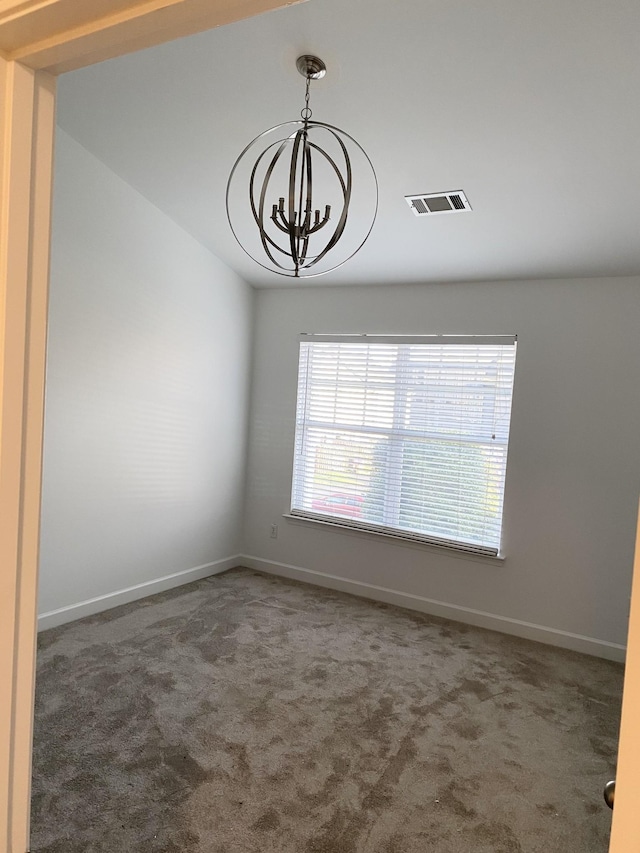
x=625, y=830
x=63, y=35
x=15, y=178
x=35, y=362
x=30, y=21
x=25, y=180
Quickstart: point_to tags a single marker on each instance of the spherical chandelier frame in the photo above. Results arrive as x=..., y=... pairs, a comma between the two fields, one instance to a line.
x=298, y=223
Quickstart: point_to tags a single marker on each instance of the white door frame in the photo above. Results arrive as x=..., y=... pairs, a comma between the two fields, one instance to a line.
x=40, y=39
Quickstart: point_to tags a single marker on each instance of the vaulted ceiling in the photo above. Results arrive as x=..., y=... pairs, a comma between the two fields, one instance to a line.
x=530, y=108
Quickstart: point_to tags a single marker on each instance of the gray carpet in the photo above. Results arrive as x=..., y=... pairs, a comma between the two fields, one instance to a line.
x=249, y=714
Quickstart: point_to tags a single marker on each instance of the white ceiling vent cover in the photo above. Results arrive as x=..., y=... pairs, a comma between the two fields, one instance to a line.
x=430, y=204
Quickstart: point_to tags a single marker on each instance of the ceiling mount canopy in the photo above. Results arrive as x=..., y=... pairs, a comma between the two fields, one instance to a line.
x=312, y=193
x=311, y=67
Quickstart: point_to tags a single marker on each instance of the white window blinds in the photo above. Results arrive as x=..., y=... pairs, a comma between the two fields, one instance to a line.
x=406, y=436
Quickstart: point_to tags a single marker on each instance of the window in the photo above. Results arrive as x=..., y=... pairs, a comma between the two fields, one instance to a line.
x=405, y=436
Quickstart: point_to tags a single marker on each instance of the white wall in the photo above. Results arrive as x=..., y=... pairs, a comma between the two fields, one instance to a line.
x=574, y=464
x=147, y=392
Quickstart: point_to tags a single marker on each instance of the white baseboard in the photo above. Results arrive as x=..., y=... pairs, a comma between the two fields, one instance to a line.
x=141, y=590
x=503, y=624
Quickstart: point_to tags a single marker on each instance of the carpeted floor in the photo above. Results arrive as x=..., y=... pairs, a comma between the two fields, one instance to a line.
x=249, y=714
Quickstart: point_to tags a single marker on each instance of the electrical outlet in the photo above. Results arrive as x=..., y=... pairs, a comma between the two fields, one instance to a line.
x=274, y=531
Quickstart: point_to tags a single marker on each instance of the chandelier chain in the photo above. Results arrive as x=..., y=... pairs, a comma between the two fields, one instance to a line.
x=305, y=112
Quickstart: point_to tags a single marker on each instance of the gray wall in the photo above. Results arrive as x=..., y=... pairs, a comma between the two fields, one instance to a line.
x=147, y=394
x=573, y=474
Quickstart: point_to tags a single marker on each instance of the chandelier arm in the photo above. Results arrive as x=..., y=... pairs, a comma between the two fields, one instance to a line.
x=304, y=250
x=302, y=212
x=265, y=240
x=294, y=224
x=253, y=210
x=319, y=225
x=346, y=192
x=279, y=225
x=309, y=180
x=303, y=260
x=253, y=176
x=304, y=179
x=259, y=219
x=273, y=244
x=258, y=215
x=334, y=165
x=307, y=172
x=278, y=211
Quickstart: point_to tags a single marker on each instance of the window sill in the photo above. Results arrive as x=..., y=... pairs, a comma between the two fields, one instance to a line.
x=448, y=550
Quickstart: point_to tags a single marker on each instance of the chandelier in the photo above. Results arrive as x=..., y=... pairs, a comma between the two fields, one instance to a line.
x=312, y=193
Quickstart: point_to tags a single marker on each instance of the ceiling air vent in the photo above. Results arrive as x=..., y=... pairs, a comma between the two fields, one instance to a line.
x=431, y=203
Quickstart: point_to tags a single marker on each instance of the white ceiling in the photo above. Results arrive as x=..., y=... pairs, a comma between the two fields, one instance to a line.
x=531, y=108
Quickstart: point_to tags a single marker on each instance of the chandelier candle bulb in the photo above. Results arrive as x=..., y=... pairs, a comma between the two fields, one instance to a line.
x=306, y=157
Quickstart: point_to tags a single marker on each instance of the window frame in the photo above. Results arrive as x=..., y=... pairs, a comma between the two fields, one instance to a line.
x=397, y=436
